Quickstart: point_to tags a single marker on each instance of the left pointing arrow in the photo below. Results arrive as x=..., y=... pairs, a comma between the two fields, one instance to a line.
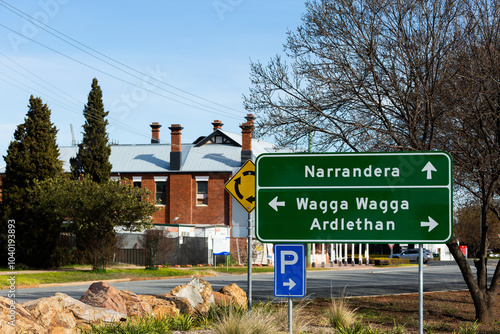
x=290, y=284
x=275, y=204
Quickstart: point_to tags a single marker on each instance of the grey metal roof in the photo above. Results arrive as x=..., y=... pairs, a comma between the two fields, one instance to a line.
x=213, y=158
x=131, y=158
x=155, y=158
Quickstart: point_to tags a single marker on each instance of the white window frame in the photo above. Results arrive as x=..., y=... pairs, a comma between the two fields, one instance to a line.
x=201, y=197
x=161, y=179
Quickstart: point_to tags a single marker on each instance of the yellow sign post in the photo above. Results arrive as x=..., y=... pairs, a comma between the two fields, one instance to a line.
x=242, y=186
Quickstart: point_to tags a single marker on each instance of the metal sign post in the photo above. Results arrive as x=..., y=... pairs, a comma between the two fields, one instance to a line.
x=242, y=187
x=289, y=274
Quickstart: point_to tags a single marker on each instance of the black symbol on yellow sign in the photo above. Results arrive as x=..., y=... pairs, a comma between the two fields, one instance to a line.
x=242, y=186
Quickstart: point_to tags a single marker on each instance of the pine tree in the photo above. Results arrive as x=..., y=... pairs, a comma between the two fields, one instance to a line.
x=93, y=154
x=32, y=155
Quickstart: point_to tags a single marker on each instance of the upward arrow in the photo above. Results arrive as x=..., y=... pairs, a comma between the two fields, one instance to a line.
x=429, y=168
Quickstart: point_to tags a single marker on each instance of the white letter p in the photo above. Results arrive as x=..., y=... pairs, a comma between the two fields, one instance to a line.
x=285, y=262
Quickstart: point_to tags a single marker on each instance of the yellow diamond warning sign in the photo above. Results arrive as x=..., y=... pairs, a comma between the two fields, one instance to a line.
x=242, y=186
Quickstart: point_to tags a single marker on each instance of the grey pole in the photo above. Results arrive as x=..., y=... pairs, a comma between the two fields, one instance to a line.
x=420, y=290
x=290, y=316
x=249, y=278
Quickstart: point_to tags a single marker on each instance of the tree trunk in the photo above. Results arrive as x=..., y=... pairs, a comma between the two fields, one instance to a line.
x=484, y=304
x=484, y=299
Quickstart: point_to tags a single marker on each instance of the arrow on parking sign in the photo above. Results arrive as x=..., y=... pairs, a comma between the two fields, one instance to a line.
x=290, y=284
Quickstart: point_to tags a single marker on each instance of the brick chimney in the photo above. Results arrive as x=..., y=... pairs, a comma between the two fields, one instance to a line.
x=250, y=118
x=155, y=132
x=175, y=143
x=217, y=125
x=246, y=139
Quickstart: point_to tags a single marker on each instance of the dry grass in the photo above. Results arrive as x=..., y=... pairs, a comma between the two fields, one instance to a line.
x=444, y=312
x=339, y=314
x=258, y=321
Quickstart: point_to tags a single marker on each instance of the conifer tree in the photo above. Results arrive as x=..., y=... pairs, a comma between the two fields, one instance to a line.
x=93, y=154
x=32, y=155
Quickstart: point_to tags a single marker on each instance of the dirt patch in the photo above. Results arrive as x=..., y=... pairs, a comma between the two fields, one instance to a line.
x=444, y=312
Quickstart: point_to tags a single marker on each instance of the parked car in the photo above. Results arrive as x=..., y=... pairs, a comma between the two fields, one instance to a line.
x=412, y=255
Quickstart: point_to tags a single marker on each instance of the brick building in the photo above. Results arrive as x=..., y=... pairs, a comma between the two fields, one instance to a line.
x=186, y=179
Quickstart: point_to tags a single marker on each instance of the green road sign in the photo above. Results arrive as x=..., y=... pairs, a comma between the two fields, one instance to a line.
x=354, y=197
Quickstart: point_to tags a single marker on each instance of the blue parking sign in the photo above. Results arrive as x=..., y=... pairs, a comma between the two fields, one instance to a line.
x=289, y=270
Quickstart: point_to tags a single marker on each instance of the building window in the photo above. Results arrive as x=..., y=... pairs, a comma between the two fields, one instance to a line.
x=137, y=180
x=201, y=190
x=161, y=190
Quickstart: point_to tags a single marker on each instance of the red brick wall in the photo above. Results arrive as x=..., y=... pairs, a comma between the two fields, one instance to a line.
x=181, y=199
x=216, y=210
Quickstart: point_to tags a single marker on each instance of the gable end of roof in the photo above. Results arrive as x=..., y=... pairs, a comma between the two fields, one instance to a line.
x=226, y=140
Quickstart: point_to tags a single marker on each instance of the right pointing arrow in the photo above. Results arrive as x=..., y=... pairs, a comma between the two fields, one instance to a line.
x=431, y=224
x=290, y=284
x=275, y=204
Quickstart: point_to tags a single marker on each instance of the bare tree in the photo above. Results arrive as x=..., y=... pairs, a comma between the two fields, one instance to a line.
x=475, y=123
x=388, y=76
x=366, y=75
x=155, y=246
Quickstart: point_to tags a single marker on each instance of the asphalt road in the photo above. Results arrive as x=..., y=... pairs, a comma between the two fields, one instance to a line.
x=360, y=281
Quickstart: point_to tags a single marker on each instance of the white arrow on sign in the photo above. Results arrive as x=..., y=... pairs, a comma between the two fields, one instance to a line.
x=431, y=224
x=275, y=204
x=290, y=284
x=429, y=168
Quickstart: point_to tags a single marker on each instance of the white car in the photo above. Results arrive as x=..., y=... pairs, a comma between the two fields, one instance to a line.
x=412, y=255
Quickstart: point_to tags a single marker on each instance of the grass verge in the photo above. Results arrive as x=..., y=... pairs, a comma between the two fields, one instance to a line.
x=35, y=279
x=82, y=275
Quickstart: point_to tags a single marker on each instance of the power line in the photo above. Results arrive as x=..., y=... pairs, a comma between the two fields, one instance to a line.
x=64, y=106
x=50, y=29
x=114, y=76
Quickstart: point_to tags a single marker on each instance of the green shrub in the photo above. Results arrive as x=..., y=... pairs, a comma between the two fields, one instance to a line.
x=183, y=322
x=146, y=325
x=472, y=329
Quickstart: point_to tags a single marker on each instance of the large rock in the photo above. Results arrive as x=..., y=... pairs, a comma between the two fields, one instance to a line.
x=182, y=304
x=161, y=306
x=50, y=313
x=221, y=299
x=80, y=311
x=25, y=322
x=237, y=294
x=103, y=295
x=134, y=305
x=198, y=292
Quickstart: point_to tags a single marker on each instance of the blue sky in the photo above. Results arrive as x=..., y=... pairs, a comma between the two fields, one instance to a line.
x=201, y=49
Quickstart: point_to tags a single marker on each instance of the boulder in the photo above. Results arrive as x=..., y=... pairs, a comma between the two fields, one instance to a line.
x=237, y=294
x=198, y=292
x=221, y=299
x=25, y=322
x=134, y=305
x=100, y=294
x=81, y=311
x=50, y=313
x=160, y=306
